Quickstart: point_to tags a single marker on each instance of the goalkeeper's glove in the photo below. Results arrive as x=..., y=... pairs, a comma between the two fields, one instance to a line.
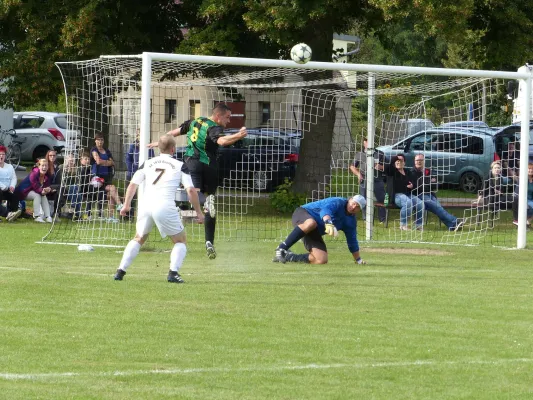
x=330, y=228
x=360, y=261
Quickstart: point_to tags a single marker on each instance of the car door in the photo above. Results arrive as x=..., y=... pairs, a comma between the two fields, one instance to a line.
x=28, y=129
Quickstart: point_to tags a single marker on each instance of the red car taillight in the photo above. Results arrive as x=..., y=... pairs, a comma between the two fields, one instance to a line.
x=496, y=157
x=57, y=134
x=291, y=158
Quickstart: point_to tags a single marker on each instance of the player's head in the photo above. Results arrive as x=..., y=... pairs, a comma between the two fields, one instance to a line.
x=221, y=114
x=356, y=203
x=166, y=144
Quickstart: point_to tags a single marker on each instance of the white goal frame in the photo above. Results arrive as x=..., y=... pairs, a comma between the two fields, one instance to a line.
x=527, y=78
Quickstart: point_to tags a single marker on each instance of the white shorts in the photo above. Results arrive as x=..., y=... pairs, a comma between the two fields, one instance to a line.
x=167, y=220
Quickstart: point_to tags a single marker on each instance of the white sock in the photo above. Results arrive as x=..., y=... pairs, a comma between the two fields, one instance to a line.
x=179, y=251
x=130, y=252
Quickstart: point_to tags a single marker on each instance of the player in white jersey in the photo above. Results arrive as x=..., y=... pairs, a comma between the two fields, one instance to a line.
x=161, y=177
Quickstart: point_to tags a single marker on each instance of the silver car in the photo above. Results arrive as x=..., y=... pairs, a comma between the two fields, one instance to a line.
x=40, y=131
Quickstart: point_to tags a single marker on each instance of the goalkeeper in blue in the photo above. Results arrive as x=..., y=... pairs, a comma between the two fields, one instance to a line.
x=324, y=217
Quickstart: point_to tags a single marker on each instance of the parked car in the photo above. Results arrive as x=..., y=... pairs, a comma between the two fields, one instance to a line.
x=261, y=161
x=460, y=156
x=465, y=124
x=41, y=131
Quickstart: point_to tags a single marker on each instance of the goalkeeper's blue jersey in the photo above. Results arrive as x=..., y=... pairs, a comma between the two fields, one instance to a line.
x=335, y=207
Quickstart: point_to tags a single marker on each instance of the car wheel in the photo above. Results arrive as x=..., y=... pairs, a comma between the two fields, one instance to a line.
x=40, y=152
x=470, y=182
x=260, y=181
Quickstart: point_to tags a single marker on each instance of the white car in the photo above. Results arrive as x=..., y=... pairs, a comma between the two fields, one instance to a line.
x=40, y=131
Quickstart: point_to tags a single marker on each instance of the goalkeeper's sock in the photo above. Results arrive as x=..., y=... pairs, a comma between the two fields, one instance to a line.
x=179, y=251
x=130, y=252
x=303, y=258
x=210, y=224
x=293, y=237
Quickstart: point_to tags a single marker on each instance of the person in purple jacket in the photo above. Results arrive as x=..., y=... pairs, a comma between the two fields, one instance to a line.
x=313, y=220
x=35, y=187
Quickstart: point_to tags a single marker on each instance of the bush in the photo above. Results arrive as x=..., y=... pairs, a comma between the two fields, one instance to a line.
x=284, y=200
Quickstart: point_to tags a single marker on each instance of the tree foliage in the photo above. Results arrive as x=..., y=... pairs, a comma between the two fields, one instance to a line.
x=36, y=34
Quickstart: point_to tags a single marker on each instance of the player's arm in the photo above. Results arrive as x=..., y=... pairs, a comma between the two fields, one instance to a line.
x=136, y=180
x=353, y=244
x=173, y=133
x=130, y=192
x=230, y=139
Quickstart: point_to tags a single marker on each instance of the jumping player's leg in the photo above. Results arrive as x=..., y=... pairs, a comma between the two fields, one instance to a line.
x=210, y=185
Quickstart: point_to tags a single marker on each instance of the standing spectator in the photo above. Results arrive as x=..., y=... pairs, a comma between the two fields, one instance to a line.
x=8, y=182
x=425, y=188
x=103, y=167
x=358, y=168
x=132, y=157
x=402, y=180
x=162, y=176
x=313, y=220
x=36, y=187
x=204, y=136
x=510, y=161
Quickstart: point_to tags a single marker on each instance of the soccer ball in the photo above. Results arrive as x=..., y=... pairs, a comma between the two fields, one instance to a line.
x=301, y=53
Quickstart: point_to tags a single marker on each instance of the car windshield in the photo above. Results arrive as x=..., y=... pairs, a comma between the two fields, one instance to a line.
x=61, y=122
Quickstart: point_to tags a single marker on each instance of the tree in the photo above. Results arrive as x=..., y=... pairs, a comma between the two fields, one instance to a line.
x=268, y=29
x=34, y=35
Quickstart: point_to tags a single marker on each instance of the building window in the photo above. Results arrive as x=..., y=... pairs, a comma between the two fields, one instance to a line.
x=194, y=109
x=265, y=112
x=170, y=110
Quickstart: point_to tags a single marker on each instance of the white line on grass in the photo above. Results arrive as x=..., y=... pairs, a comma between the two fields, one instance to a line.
x=184, y=371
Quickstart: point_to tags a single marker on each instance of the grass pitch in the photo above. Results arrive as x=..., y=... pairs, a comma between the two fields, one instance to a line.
x=417, y=322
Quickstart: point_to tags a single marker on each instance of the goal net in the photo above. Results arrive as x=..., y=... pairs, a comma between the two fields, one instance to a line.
x=307, y=127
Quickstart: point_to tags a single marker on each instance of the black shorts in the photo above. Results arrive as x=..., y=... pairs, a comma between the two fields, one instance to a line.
x=204, y=176
x=313, y=240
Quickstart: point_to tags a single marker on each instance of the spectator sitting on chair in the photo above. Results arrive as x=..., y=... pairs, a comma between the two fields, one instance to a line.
x=529, y=197
x=497, y=190
x=425, y=187
x=86, y=189
x=358, y=168
x=36, y=187
x=402, y=180
x=70, y=190
x=102, y=166
x=8, y=182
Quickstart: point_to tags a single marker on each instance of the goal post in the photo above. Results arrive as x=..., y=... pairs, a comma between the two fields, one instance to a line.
x=293, y=112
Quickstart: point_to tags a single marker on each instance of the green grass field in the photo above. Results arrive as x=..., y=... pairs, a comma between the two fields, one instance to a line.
x=417, y=322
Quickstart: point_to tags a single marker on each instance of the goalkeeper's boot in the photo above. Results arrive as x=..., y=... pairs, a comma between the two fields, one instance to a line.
x=174, y=277
x=209, y=206
x=119, y=274
x=280, y=256
x=210, y=250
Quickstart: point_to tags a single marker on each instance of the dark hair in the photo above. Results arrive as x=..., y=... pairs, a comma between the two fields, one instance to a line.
x=85, y=154
x=221, y=108
x=98, y=135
